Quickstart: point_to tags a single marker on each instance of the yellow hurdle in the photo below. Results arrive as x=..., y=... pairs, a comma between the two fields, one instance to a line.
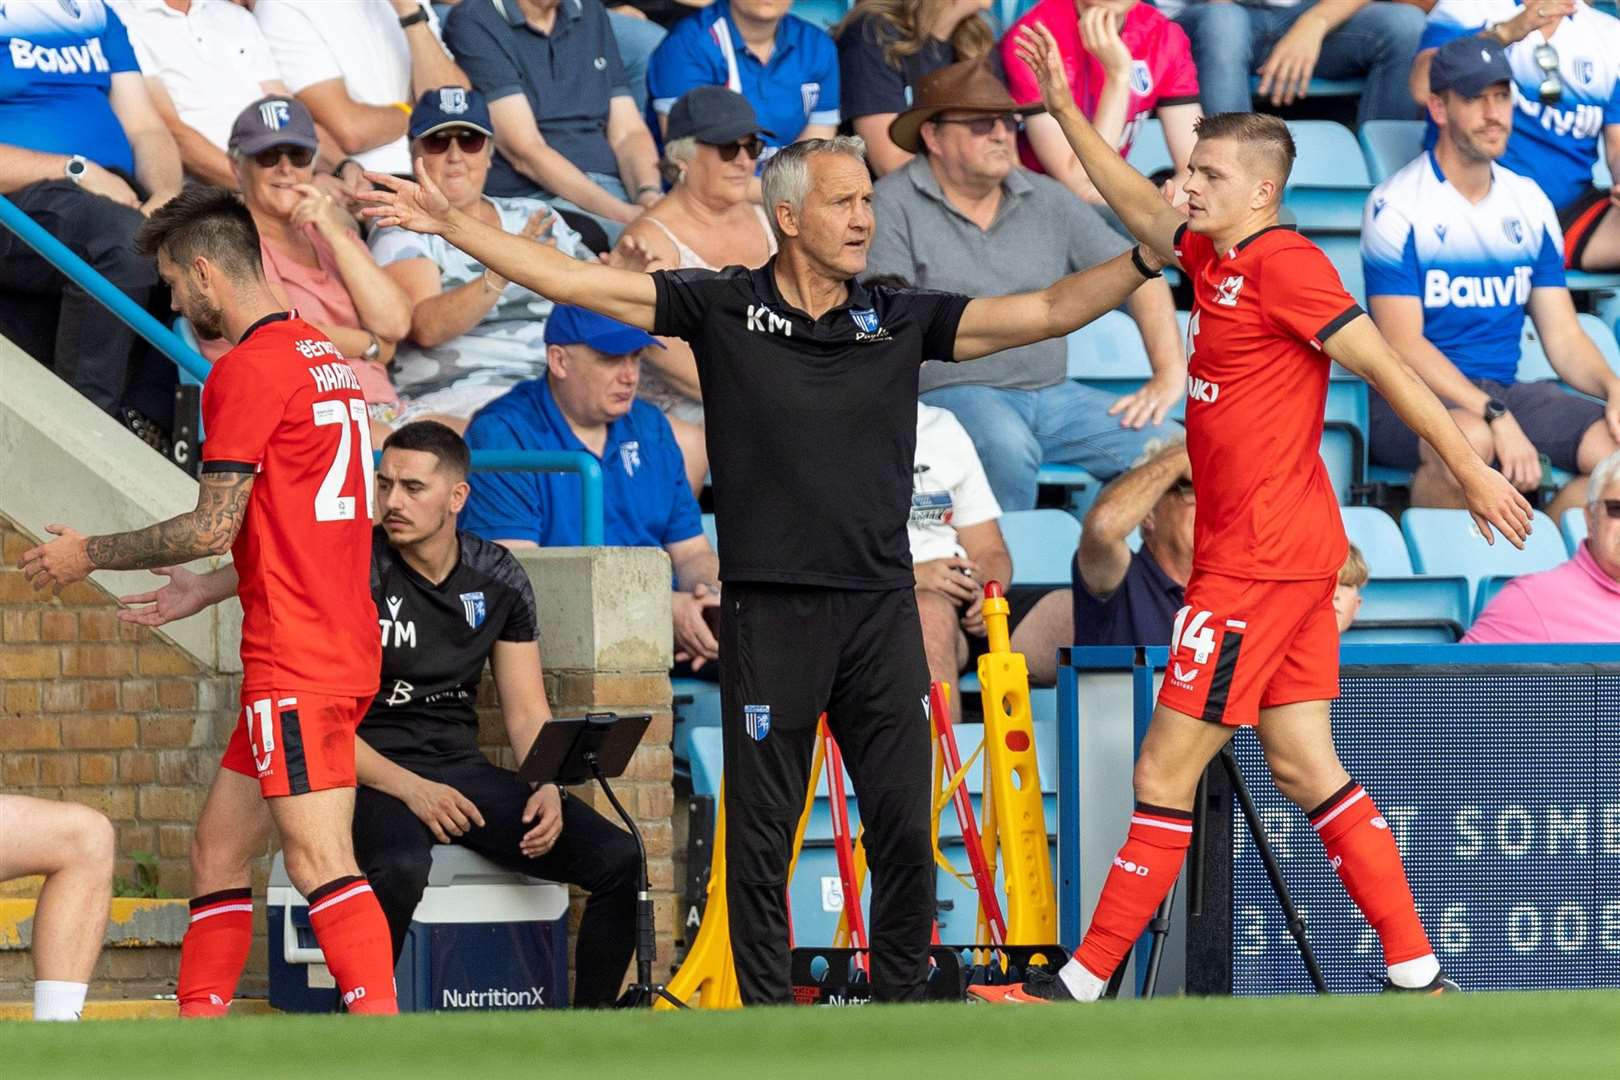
x=1013, y=810
x=708, y=977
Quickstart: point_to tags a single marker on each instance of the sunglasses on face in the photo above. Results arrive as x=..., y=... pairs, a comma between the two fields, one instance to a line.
x=300, y=156
x=984, y=125
x=471, y=142
x=753, y=146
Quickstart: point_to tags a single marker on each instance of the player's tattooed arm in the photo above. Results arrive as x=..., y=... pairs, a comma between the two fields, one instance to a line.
x=210, y=529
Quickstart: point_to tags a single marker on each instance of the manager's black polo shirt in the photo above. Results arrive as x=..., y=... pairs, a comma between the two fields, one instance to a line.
x=811, y=423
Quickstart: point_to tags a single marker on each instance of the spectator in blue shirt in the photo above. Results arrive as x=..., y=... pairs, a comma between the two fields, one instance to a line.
x=787, y=68
x=83, y=152
x=1565, y=116
x=1457, y=250
x=566, y=127
x=587, y=401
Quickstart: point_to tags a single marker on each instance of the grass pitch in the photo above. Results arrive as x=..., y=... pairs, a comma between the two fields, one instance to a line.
x=1550, y=1035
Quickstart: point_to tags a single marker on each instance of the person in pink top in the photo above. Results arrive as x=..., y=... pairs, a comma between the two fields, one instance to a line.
x=1124, y=60
x=314, y=260
x=1576, y=603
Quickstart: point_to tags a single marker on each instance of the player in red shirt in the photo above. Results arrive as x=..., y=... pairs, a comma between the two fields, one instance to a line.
x=286, y=487
x=1126, y=60
x=1257, y=643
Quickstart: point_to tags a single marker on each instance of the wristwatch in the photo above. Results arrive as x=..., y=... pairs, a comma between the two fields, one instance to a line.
x=1495, y=409
x=75, y=168
x=1141, y=264
x=420, y=15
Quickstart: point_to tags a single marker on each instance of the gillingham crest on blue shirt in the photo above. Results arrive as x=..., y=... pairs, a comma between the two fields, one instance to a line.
x=866, y=319
x=757, y=721
x=472, y=606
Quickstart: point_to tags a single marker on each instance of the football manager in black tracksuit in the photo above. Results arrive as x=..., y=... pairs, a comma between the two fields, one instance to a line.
x=810, y=390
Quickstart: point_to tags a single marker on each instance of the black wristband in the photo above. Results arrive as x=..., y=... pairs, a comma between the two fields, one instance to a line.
x=337, y=170
x=420, y=15
x=1142, y=267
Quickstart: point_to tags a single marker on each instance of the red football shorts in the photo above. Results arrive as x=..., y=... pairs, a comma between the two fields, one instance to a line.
x=1240, y=646
x=295, y=742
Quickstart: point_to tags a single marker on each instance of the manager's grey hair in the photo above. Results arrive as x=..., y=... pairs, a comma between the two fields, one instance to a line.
x=786, y=178
x=1606, y=473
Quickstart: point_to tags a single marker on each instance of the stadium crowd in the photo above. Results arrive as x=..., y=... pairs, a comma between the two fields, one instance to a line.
x=633, y=133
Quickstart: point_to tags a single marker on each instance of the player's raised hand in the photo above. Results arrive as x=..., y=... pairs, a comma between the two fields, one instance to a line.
x=181, y=597
x=417, y=205
x=1038, y=49
x=57, y=563
x=1493, y=501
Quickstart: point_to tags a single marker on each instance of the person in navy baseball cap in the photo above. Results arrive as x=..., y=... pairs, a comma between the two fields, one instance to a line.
x=1467, y=65
x=448, y=107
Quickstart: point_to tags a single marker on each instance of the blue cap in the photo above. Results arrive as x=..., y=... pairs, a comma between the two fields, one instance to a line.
x=1467, y=65
x=447, y=107
x=569, y=325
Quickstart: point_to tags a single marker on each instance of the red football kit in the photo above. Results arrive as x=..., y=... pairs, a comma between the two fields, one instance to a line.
x=1258, y=629
x=284, y=406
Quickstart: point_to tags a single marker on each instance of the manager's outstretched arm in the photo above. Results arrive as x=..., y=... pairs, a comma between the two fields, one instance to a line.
x=1491, y=499
x=993, y=323
x=421, y=207
x=1132, y=195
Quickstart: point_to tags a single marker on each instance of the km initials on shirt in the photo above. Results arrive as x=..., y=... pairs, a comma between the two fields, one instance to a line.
x=762, y=320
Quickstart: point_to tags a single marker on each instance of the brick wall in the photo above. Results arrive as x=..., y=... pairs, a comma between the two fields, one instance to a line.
x=110, y=715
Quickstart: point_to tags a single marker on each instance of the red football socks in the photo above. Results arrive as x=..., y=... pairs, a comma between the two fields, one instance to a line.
x=352, y=932
x=214, y=951
x=1363, y=852
x=1142, y=874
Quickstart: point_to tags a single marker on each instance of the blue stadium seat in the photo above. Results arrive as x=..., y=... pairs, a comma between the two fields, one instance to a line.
x=1042, y=544
x=1380, y=541
x=709, y=531
x=823, y=13
x=1326, y=193
x=1600, y=173
x=1149, y=152
x=1109, y=354
x=1488, y=588
x=1413, y=609
x=1344, y=433
x=708, y=761
x=1533, y=363
x=1574, y=528
x=1323, y=87
x=1448, y=542
x=697, y=705
x=1389, y=144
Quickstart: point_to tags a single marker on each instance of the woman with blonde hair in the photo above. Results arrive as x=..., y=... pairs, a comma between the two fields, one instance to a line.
x=707, y=221
x=885, y=46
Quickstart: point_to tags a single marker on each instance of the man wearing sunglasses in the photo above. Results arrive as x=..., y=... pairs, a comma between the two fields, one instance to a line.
x=964, y=217
x=1576, y=603
x=1565, y=57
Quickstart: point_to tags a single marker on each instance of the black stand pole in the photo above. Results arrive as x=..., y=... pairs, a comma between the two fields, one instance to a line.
x=1159, y=926
x=643, y=992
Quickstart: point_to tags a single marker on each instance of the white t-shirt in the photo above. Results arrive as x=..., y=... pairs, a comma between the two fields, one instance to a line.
x=949, y=490
x=213, y=62
x=358, y=41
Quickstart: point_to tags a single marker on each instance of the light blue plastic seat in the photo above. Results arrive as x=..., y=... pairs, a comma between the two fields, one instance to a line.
x=1388, y=145
x=1574, y=528
x=1379, y=538
x=708, y=760
x=822, y=13
x=702, y=711
x=710, y=532
x=1042, y=544
x=1435, y=608
x=1150, y=154
x=1488, y=588
x=1448, y=542
x=1323, y=87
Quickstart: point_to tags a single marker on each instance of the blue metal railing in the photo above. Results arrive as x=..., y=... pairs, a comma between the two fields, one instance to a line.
x=84, y=275
x=587, y=467
x=187, y=359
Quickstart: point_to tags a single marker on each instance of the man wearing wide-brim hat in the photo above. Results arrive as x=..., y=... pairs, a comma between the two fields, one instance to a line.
x=963, y=216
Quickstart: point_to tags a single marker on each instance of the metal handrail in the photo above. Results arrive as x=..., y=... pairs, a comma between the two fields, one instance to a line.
x=85, y=276
x=587, y=467
x=183, y=356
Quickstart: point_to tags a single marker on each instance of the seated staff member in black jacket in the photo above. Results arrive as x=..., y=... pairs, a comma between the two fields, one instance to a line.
x=810, y=388
x=447, y=603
